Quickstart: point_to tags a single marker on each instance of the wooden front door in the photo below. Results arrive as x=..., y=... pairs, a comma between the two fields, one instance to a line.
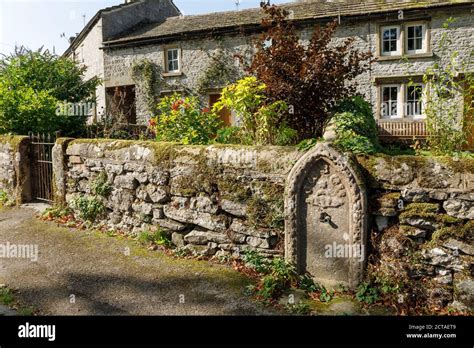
x=225, y=114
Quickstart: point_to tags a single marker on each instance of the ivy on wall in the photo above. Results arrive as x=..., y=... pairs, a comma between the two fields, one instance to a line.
x=148, y=76
x=220, y=72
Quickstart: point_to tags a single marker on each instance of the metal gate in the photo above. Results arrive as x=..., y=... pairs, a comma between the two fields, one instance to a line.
x=41, y=146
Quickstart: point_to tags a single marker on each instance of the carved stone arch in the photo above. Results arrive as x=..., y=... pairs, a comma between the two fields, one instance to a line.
x=326, y=217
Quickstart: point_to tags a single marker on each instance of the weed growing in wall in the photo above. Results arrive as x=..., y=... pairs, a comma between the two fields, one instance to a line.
x=159, y=237
x=89, y=208
x=100, y=185
x=5, y=200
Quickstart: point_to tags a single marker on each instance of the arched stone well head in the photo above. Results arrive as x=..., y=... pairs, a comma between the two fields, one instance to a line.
x=326, y=217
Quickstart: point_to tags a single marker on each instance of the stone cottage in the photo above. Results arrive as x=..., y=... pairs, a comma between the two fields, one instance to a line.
x=197, y=53
x=86, y=47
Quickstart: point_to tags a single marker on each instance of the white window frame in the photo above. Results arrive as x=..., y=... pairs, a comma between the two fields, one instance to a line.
x=422, y=115
x=398, y=52
x=399, y=99
x=424, y=40
x=177, y=59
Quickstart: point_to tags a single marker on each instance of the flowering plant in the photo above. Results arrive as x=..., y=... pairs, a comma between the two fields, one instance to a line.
x=184, y=120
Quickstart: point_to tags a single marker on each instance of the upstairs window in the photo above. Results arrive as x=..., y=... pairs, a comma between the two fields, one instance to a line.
x=416, y=38
x=405, y=38
x=391, y=41
x=172, y=60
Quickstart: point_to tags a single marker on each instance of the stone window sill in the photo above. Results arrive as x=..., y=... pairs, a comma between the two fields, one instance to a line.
x=172, y=74
x=408, y=56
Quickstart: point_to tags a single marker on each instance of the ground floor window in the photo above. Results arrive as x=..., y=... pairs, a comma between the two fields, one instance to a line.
x=390, y=101
x=414, y=98
x=403, y=100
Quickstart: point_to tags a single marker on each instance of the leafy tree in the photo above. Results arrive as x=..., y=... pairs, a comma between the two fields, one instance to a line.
x=311, y=78
x=33, y=84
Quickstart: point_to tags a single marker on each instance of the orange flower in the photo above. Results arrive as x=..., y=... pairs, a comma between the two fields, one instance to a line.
x=175, y=106
x=152, y=123
x=205, y=110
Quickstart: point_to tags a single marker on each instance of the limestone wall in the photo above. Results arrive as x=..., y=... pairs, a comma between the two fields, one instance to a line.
x=14, y=169
x=217, y=198
x=422, y=213
x=225, y=200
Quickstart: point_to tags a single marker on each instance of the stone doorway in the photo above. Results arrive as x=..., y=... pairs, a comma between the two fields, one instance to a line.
x=326, y=218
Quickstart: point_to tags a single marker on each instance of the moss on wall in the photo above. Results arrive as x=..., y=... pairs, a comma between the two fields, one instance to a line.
x=13, y=140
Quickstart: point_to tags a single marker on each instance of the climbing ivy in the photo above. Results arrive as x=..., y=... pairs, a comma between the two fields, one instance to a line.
x=148, y=76
x=220, y=72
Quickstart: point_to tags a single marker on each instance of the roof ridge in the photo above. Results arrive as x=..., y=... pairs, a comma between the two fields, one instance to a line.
x=207, y=22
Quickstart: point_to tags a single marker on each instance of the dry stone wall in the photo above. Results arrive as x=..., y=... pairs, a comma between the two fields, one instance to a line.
x=14, y=169
x=217, y=199
x=225, y=200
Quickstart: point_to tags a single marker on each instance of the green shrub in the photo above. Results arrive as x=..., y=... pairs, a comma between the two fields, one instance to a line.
x=89, y=208
x=271, y=287
x=326, y=295
x=299, y=308
x=285, y=136
x=261, y=122
x=56, y=212
x=184, y=120
x=307, y=144
x=350, y=141
x=283, y=270
x=228, y=135
x=355, y=126
x=307, y=284
x=448, y=129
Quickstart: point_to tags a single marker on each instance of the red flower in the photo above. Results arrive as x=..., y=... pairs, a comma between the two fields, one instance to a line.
x=205, y=110
x=152, y=123
x=177, y=104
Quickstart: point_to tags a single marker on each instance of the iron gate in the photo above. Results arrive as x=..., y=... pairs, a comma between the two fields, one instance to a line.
x=42, y=166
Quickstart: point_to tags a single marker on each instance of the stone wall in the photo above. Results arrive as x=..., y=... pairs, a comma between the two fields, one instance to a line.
x=14, y=168
x=422, y=212
x=225, y=200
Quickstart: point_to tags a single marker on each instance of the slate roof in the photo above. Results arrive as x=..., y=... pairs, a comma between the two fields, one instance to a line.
x=313, y=9
x=88, y=27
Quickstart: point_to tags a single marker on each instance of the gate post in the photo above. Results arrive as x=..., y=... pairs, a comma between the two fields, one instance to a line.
x=22, y=170
x=59, y=170
x=326, y=217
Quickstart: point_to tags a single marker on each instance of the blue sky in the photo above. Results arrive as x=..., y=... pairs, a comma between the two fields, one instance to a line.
x=36, y=23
